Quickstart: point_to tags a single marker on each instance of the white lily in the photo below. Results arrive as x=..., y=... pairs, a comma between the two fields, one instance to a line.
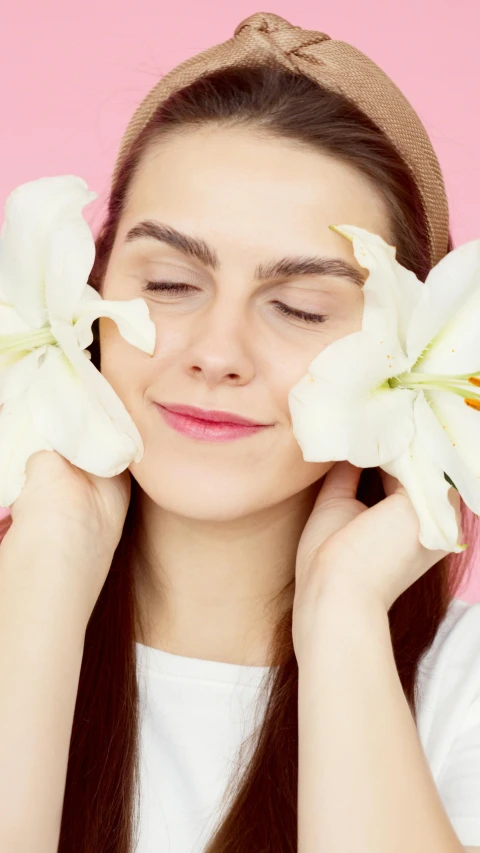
x=52, y=396
x=403, y=393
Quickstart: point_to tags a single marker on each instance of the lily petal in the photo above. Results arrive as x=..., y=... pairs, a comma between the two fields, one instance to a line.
x=451, y=431
x=18, y=441
x=343, y=409
x=391, y=291
x=131, y=316
x=428, y=491
x=99, y=389
x=70, y=257
x=444, y=325
x=34, y=211
x=11, y=323
x=76, y=424
x=58, y=403
x=17, y=372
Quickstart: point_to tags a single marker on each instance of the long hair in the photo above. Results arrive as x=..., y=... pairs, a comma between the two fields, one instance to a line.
x=259, y=809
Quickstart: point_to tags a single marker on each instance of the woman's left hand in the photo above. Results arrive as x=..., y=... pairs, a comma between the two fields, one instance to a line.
x=372, y=550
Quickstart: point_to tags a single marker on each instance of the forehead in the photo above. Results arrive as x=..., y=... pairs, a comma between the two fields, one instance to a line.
x=226, y=180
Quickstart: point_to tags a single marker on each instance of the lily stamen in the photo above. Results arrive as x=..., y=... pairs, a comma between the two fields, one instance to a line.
x=21, y=341
x=438, y=382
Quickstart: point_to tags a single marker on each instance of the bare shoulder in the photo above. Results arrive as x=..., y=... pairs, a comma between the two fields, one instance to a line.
x=472, y=849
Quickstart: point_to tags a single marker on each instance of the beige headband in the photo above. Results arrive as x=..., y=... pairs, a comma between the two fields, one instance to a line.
x=335, y=65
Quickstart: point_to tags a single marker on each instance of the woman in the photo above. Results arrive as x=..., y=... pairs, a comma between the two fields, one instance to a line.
x=230, y=687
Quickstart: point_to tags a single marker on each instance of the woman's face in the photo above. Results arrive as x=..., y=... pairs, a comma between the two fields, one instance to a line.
x=224, y=343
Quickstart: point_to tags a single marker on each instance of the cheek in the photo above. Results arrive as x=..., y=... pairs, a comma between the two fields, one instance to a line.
x=170, y=341
x=353, y=316
x=122, y=364
x=129, y=370
x=293, y=370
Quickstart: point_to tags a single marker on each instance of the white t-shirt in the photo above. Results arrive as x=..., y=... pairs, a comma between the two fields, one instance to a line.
x=195, y=714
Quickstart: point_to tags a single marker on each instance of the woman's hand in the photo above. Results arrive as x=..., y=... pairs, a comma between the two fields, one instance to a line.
x=68, y=514
x=375, y=551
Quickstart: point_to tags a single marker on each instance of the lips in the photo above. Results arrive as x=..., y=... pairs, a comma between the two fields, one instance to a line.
x=210, y=415
x=207, y=430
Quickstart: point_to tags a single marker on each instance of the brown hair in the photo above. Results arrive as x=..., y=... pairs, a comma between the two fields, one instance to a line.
x=260, y=805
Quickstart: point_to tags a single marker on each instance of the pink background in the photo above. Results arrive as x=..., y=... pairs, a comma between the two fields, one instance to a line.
x=72, y=75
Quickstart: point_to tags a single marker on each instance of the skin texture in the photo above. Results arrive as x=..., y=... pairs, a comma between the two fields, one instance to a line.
x=223, y=520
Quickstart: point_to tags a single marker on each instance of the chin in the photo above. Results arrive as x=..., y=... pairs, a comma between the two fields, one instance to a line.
x=212, y=502
x=218, y=512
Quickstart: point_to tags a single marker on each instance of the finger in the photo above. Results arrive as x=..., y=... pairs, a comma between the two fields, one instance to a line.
x=390, y=484
x=340, y=481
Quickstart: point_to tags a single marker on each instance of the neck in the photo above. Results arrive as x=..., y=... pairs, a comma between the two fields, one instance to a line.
x=216, y=589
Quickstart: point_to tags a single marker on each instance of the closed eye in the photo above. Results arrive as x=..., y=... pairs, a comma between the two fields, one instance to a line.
x=180, y=287
x=302, y=315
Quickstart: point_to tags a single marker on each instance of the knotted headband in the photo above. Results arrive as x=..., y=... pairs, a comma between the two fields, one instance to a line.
x=335, y=65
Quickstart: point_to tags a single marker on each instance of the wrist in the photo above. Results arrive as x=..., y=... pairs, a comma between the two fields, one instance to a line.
x=340, y=604
x=63, y=576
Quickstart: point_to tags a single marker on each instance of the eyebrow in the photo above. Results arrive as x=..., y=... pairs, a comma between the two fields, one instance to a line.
x=283, y=267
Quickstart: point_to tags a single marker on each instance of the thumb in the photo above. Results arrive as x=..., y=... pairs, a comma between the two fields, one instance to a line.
x=340, y=482
x=336, y=505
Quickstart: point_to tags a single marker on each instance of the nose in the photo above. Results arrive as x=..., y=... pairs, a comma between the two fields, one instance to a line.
x=219, y=348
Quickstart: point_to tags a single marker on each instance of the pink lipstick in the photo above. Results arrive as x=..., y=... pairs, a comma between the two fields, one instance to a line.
x=219, y=429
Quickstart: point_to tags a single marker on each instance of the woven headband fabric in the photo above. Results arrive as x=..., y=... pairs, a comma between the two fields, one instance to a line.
x=335, y=65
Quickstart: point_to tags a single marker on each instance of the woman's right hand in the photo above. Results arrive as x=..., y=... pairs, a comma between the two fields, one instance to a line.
x=74, y=512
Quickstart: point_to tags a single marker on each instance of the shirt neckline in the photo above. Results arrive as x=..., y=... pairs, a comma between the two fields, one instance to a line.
x=167, y=663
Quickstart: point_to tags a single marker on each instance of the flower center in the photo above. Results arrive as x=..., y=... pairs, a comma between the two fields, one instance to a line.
x=462, y=384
